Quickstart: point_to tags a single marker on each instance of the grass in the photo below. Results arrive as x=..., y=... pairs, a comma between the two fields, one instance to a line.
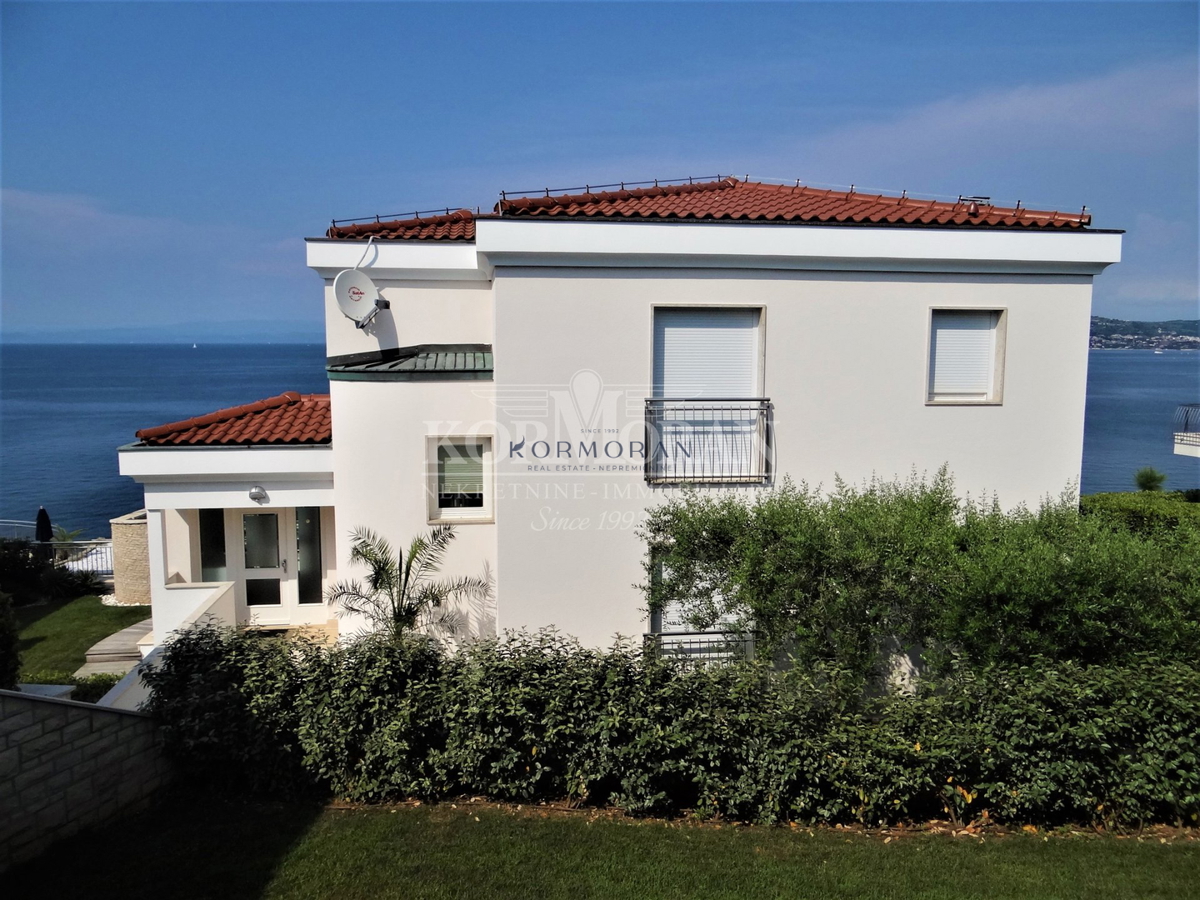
x=194, y=847
x=56, y=636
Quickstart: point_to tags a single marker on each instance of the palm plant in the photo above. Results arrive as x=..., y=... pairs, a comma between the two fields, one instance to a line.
x=400, y=594
x=66, y=535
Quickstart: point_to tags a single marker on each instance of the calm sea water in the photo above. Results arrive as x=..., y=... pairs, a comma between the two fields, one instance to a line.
x=64, y=409
x=1131, y=398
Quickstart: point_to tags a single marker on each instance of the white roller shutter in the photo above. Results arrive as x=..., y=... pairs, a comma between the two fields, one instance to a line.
x=962, y=354
x=705, y=353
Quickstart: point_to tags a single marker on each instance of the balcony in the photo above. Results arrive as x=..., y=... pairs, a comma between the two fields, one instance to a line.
x=1187, y=430
x=697, y=649
x=708, y=441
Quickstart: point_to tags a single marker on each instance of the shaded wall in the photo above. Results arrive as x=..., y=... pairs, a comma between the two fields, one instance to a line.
x=65, y=766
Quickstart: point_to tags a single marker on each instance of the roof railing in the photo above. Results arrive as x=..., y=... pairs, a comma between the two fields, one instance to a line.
x=516, y=195
x=415, y=214
x=619, y=185
x=975, y=201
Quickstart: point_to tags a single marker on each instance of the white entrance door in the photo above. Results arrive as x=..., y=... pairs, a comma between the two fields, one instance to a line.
x=268, y=565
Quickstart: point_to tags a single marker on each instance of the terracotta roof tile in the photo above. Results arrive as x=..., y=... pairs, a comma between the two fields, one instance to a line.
x=456, y=226
x=727, y=200
x=289, y=418
x=748, y=201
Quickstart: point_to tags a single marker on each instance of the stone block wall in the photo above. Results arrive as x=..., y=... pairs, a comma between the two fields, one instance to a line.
x=65, y=766
x=131, y=559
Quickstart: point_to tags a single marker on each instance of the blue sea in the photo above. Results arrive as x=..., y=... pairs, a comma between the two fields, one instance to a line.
x=64, y=410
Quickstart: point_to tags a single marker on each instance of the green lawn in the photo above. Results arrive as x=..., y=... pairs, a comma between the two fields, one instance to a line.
x=56, y=636
x=206, y=847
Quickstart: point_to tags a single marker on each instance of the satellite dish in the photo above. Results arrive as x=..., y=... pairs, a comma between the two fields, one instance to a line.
x=357, y=297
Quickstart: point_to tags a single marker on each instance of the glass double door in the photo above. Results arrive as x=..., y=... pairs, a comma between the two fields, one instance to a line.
x=280, y=554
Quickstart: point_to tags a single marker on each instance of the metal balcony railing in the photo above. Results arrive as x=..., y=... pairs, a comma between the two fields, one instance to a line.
x=701, y=648
x=1187, y=424
x=708, y=441
x=78, y=556
x=17, y=528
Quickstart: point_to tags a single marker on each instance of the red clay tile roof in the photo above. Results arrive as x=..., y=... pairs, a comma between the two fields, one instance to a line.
x=728, y=200
x=290, y=418
x=456, y=226
x=748, y=201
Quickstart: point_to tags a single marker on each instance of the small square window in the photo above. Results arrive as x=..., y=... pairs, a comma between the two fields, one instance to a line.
x=460, y=479
x=966, y=356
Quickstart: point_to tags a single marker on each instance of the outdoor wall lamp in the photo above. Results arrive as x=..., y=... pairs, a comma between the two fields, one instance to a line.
x=258, y=494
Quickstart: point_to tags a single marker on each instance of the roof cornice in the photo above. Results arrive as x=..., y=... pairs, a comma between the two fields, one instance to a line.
x=606, y=244
x=740, y=245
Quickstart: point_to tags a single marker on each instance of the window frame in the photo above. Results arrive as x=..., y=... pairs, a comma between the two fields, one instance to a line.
x=762, y=478
x=1000, y=330
x=761, y=328
x=460, y=515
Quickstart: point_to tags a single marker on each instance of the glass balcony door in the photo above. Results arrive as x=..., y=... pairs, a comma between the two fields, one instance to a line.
x=706, y=422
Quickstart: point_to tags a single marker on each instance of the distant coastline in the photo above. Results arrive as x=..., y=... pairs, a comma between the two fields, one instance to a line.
x=250, y=331
x=1122, y=334
x=1106, y=334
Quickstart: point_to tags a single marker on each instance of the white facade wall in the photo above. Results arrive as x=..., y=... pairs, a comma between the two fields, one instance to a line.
x=569, y=307
x=381, y=468
x=422, y=312
x=845, y=365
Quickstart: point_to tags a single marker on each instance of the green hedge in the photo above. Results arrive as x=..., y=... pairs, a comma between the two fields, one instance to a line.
x=88, y=688
x=10, y=644
x=837, y=577
x=1145, y=511
x=536, y=717
x=29, y=575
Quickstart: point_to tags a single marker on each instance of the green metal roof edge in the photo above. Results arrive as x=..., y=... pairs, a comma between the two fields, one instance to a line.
x=395, y=354
x=413, y=364
x=411, y=375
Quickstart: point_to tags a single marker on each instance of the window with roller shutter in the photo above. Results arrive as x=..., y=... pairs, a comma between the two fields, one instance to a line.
x=965, y=360
x=706, y=422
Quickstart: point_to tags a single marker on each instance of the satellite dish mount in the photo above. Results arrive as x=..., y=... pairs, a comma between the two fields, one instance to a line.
x=356, y=294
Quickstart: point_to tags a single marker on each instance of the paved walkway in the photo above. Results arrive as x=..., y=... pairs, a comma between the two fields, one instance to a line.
x=117, y=653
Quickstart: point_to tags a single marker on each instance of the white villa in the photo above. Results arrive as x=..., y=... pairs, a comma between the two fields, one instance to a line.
x=544, y=373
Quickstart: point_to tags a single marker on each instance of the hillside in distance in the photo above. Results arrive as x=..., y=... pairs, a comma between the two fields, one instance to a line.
x=1121, y=334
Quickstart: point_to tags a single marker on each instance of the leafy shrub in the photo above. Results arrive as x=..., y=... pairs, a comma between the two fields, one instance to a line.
x=88, y=688
x=27, y=571
x=60, y=583
x=369, y=714
x=21, y=565
x=227, y=702
x=1071, y=587
x=518, y=711
x=837, y=579
x=535, y=717
x=1144, y=511
x=10, y=644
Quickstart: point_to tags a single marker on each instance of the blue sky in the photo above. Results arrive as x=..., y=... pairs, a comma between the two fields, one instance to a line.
x=161, y=162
